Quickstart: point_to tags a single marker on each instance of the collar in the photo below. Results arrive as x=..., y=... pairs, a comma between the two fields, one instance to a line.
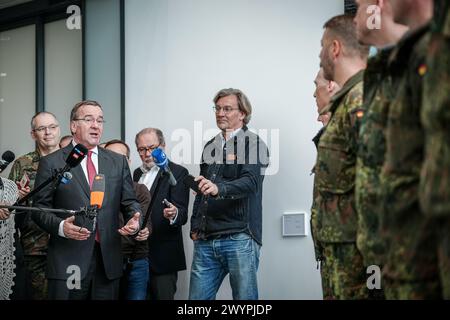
x=406, y=44
x=353, y=81
x=233, y=134
x=145, y=169
x=35, y=156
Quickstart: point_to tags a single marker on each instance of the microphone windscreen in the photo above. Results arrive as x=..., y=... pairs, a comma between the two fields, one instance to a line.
x=8, y=156
x=159, y=157
x=76, y=155
x=98, y=190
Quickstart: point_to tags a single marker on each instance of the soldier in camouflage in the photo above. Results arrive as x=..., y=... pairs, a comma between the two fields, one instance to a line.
x=410, y=269
x=371, y=145
x=434, y=192
x=343, y=60
x=325, y=89
x=45, y=131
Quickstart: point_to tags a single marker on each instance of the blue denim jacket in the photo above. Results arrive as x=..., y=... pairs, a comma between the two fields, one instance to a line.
x=238, y=171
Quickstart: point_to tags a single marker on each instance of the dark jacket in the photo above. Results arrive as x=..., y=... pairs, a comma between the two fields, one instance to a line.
x=131, y=248
x=238, y=172
x=119, y=197
x=166, y=251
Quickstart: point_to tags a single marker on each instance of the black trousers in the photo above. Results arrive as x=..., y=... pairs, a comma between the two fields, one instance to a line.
x=95, y=286
x=162, y=286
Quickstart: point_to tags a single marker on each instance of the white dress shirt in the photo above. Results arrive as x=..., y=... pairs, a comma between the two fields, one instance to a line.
x=148, y=178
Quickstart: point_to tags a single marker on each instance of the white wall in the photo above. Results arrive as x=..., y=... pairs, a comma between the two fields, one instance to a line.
x=17, y=90
x=63, y=71
x=179, y=53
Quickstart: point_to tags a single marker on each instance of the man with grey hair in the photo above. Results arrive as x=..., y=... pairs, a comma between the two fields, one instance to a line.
x=45, y=132
x=89, y=248
x=165, y=244
x=226, y=223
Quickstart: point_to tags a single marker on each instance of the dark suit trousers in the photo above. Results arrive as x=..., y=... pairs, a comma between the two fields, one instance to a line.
x=163, y=286
x=95, y=285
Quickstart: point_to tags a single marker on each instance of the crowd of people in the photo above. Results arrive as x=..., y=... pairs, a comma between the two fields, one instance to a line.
x=381, y=195
x=133, y=249
x=381, y=187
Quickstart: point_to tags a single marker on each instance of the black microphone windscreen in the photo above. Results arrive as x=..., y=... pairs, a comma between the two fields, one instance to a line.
x=8, y=156
x=76, y=155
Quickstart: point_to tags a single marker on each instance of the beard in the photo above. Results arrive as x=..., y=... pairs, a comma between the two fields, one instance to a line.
x=328, y=69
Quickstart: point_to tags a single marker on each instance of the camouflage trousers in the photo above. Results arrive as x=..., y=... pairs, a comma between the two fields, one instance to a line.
x=343, y=273
x=36, y=266
x=411, y=271
x=435, y=286
x=444, y=256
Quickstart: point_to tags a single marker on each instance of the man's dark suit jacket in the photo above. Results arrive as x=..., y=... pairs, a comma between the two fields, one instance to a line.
x=119, y=197
x=166, y=251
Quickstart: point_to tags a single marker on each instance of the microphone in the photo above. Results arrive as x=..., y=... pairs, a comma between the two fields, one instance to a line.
x=7, y=158
x=98, y=191
x=67, y=176
x=74, y=158
x=97, y=195
x=162, y=162
x=77, y=155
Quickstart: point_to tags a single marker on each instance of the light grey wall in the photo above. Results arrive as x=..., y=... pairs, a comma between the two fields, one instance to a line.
x=17, y=90
x=63, y=71
x=179, y=53
x=102, y=65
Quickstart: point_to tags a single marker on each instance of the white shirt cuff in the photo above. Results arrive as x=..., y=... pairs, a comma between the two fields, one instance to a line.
x=61, y=229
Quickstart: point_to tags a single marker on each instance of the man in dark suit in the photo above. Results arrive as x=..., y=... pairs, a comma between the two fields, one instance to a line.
x=166, y=251
x=84, y=264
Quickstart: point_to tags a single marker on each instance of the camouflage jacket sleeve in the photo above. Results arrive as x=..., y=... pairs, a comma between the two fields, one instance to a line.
x=15, y=173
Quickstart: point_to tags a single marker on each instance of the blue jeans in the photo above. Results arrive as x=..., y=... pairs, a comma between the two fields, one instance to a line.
x=236, y=254
x=137, y=280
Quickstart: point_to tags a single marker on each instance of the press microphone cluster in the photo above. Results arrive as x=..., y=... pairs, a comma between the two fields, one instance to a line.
x=162, y=162
x=76, y=155
x=7, y=158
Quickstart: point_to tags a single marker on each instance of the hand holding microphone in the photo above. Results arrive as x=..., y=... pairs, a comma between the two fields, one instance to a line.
x=207, y=187
x=75, y=232
x=170, y=211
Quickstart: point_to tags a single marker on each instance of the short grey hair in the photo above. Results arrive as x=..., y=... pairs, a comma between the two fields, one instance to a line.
x=33, y=124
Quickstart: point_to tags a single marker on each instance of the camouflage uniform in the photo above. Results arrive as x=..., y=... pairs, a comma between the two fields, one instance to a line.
x=318, y=249
x=335, y=182
x=33, y=239
x=410, y=270
x=435, y=175
x=371, y=149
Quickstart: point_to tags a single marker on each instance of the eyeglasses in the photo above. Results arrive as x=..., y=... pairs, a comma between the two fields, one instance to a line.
x=91, y=120
x=144, y=150
x=226, y=109
x=51, y=127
